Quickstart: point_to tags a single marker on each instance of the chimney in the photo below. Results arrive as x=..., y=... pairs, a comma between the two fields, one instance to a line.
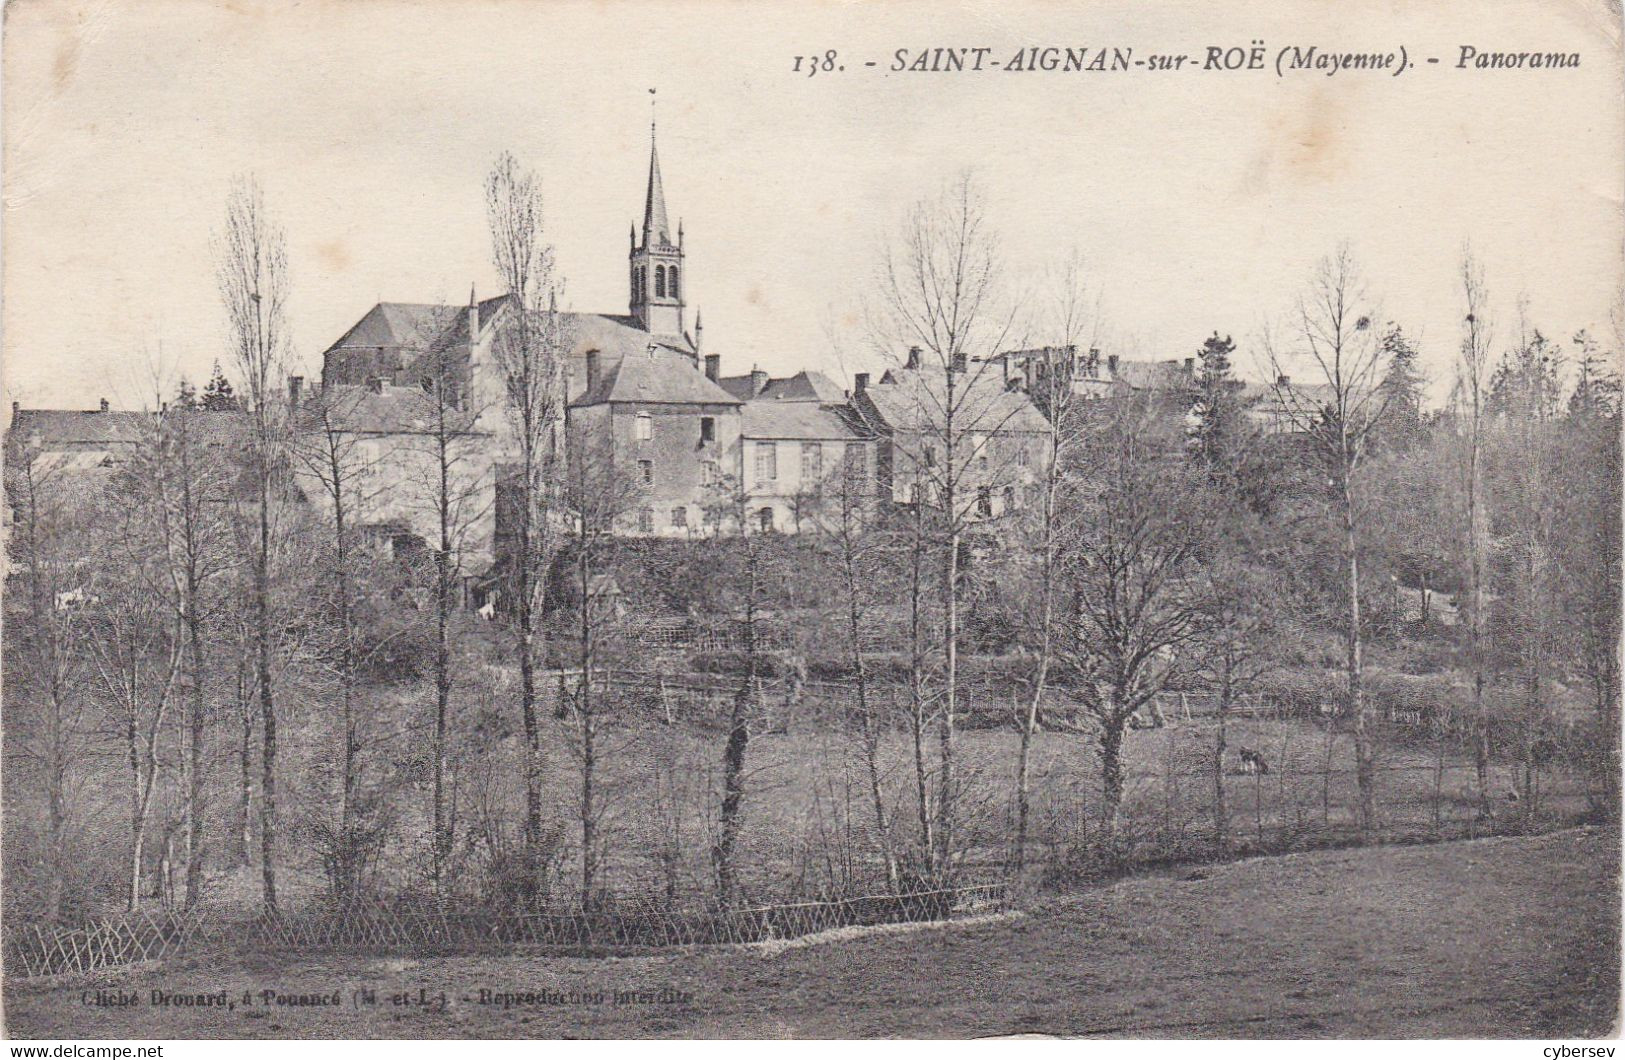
x=1111, y=364
x=1283, y=380
x=913, y=357
x=16, y=406
x=959, y=362
x=104, y=404
x=713, y=366
x=295, y=384
x=592, y=369
x=758, y=380
x=860, y=382
x=1190, y=364
x=376, y=384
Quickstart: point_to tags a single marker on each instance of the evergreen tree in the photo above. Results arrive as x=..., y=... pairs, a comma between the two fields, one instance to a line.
x=218, y=395
x=185, y=395
x=1401, y=391
x=1214, y=409
x=1597, y=390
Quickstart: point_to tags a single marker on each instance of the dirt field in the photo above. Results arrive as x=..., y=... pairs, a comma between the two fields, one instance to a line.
x=1491, y=938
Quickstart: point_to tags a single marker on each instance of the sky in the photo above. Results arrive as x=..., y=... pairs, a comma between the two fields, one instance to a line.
x=1199, y=200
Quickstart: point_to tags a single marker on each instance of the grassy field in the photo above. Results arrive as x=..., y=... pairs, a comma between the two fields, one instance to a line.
x=1510, y=937
x=808, y=819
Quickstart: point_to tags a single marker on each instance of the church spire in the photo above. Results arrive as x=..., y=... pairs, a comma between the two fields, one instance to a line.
x=656, y=229
x=656, y=278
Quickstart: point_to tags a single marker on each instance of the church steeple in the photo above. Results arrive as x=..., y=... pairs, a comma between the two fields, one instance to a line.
x=657, y=280
x=656, y=230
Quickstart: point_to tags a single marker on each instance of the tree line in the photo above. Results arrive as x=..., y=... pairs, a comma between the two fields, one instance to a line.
x=166, y=618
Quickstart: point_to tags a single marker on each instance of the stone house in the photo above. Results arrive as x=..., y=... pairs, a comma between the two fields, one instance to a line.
x=654, y=418
x=986, y=440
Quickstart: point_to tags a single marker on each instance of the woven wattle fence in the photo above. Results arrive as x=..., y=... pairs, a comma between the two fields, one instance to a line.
x=35, y=949
x=376, y=927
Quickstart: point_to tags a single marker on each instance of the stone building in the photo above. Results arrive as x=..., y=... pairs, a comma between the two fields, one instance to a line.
x=653, y=419
x=805, y=454
x=986, y=440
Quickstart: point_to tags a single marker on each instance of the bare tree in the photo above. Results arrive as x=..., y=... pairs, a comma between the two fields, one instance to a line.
x=1333, y=328
x=252, y=274
x=1469, y=396
x=598, y=493
x=1074, y=314
x=1589, y=534
x=138, y=650
x=1139, y=521
x=528, y=349
x=1231, y=653
x=1525, y=400
x=329, y=451
x=940, y=293
x=742, y=578
x=198, y=559
x=861, y=545
x=47, y=544
x=445, y=485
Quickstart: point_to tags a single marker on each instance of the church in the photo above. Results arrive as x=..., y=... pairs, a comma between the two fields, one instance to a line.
x=414, y=386
x=702, y=453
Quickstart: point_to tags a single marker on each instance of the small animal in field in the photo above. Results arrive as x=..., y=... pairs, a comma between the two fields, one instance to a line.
x=1252, y=763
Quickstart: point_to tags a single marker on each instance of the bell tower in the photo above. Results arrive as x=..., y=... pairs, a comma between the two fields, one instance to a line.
x=657, y=279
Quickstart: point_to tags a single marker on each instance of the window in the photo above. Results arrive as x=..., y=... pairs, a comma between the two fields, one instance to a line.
x=708, y=429
x=1009, y=498
x=764, y=519
x=767, y=461
x=930, y=456
x=1022, y=458
x=645, y=427
x=679, y=517
x=646, y=520
x=812, y=462
x=671, y=281
x=984, y=500
x=660, y=281
x=646, y=472
x=856, y=466
x=710, y=474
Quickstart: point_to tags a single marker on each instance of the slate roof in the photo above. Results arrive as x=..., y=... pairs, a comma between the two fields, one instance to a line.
x=915, y=400
x=656, y=229
x=797, y=419
x=803, y=386
x=72, y=427
x=391, y=410
x=659, y=376
x=392, y=335
x=740, y=386
x=403, y=325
